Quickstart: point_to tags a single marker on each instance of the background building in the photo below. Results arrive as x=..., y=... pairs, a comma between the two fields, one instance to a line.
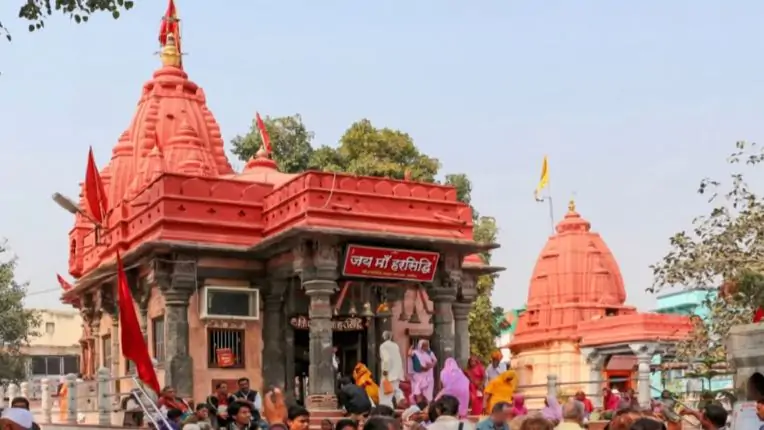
x=689, y=303
x=507, y=327
x=55, y=351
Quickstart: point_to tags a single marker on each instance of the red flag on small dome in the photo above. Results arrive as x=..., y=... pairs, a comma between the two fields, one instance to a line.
x=263, y=133
x=170, y=25
x=95, y=194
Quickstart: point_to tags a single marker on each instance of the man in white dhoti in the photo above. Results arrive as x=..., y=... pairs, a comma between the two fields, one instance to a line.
x=392, y=370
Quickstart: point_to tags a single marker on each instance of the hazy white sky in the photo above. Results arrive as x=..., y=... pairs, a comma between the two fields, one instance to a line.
x=633, y=101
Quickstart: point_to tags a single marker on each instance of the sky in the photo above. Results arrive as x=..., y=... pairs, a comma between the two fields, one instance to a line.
x=634, y=103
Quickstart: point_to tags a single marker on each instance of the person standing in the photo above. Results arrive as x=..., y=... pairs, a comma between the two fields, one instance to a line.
x=495, y=367
x=392, y=370
x=252, y=397
x=423, y=361
x=572, y=416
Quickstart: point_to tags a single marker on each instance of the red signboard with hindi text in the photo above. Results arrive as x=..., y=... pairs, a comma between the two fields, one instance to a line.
x=390, y=263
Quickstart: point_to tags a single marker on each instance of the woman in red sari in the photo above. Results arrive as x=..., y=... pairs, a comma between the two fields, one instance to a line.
x=476, y=373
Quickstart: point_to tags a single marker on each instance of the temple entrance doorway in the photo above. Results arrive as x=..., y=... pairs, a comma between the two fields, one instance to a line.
x=351, y=350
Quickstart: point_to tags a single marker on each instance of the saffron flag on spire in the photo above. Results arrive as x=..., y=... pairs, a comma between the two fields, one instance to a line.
x=95, y=194
x=170, y=25
x=133, y=344
x=66, y=286
x=544, y=181
x=263, y=133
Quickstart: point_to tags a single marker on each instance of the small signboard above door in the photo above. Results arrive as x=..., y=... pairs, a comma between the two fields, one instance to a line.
x=302, y=322
x=390, y=263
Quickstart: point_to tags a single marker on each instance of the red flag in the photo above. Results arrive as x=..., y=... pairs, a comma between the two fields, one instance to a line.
x=64, y=285
x=95, y=195
x=759, y=315
x=263, y=133
x=133, y=344
x=170, y=25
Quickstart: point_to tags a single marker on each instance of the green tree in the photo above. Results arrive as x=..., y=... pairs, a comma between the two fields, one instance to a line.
x=724, y=250
x=37, y=11
x=18, y=325
x=483, y=321
x=290, y=139
x=367, y=150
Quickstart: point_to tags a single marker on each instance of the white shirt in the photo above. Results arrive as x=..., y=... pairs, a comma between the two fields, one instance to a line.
x=492, y=372
x=392, y=363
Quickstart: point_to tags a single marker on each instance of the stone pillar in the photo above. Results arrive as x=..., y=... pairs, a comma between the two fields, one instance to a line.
x=551, y=385
x=466, y=294
x=321, y=372
x=71, y=400
x=274, y=368
x=595, y=360
x=443, y=323
x=383, y=321
x=644, y=353
x=461, y=332
x=316, y=263
x=46, y=403
x=95, y=330
x=104, y=397
x=177, y=289
x=745, y=347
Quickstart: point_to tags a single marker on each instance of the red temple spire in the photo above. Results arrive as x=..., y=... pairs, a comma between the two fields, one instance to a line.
x=171, y=27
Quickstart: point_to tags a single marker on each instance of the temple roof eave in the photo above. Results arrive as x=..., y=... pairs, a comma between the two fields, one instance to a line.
x=268, y=247
x=283, y=240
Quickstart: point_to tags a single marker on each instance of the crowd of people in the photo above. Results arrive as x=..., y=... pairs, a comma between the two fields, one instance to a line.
x=415, y=400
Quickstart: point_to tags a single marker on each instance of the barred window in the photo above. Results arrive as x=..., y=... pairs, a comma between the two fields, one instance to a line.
x=225, y=339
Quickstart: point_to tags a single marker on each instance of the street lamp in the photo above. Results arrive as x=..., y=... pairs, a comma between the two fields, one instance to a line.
x=73, y=208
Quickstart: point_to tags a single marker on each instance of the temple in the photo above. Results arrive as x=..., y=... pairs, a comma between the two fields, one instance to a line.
x=261, y=274
x=577, y=325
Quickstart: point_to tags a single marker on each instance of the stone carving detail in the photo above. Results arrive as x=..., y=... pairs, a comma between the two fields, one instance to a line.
x=225, y=324
x=325, y=255
x=301, y=257
x=468, y=289
x=107, y=294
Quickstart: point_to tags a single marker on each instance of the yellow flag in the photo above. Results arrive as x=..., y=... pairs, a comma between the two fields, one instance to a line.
x=544, y=181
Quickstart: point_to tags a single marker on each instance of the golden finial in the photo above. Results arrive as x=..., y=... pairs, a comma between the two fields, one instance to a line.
x=572, y=205
x=170, y=55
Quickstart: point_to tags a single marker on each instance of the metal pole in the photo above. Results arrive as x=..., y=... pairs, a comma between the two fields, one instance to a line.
x=551, y=205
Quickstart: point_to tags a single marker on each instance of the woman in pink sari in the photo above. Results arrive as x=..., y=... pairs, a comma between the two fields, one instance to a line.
x=455, y=383
x=421, y=363
x=476, y=372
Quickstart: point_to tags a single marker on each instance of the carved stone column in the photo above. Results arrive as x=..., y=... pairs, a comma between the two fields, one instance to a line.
x=95, y=331
x=461, y=332
x=274, y=368
x=177, y=289
x=644, y=353
x=143, y=307
x=595, y=360
x=466, y=294
x=109, y=306
x=443, y=294
x=316, y=263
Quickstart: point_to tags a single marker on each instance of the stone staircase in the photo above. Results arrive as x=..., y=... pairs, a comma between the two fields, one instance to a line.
x=317, y=416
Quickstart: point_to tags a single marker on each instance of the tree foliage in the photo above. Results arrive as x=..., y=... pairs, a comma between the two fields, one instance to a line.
x=367, y=150
x=18, y=325
x=723, y=250
x=37, y=11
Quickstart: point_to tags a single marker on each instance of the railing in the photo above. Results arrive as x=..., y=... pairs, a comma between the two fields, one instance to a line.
x=85, y=402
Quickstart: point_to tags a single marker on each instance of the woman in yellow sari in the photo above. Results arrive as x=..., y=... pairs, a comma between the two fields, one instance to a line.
x=63, y=401
x=500, y=389
x=364, y=379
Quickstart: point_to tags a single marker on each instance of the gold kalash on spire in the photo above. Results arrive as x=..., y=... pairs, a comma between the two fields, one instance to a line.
x=170, y=55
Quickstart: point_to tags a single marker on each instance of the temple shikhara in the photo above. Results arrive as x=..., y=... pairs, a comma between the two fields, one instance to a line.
x=577, y=325
x=261, y=274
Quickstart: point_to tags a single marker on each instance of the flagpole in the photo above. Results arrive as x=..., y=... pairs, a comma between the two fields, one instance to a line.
x=551, y=205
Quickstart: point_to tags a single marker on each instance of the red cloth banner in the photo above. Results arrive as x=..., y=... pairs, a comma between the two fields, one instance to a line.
x=390, y=263
x=225, y=357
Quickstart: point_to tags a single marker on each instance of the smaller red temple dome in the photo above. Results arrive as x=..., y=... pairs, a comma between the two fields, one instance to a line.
x=576, y=279
x=262, y=169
